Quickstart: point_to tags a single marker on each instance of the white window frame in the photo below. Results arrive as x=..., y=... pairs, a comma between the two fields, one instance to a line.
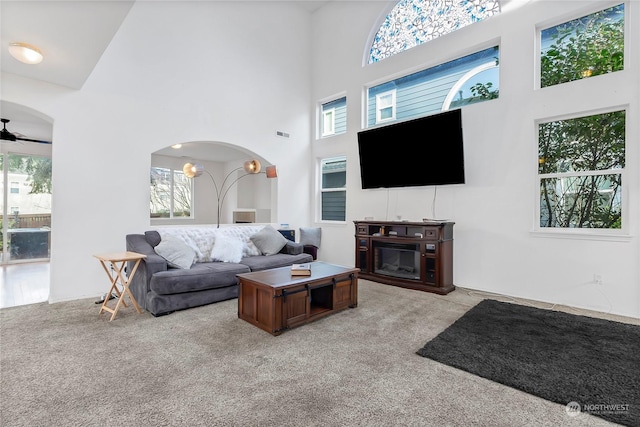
x=322, y=190
x=379, y=106
x=171, y=216
x=328, y=122
x=611, y=234
x=593, y=7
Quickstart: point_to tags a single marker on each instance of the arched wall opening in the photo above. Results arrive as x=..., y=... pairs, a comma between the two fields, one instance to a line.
x=224, y=192
x=26, y=205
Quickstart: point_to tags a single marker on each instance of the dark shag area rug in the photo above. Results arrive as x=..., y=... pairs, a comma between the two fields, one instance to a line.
x=591, y=365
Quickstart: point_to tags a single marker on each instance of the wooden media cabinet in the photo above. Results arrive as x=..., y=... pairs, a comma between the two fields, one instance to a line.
x=415, y=255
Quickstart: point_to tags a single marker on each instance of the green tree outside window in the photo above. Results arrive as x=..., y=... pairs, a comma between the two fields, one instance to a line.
x=590, y=46
x=580, y=164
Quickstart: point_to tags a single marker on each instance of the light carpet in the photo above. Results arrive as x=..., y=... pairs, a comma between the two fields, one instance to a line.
x=63, y=364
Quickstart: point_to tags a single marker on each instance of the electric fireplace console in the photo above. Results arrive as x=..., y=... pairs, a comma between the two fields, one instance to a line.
x=415, y=255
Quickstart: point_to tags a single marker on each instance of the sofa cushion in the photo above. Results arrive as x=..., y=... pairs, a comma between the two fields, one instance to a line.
x=257, y=263
x=292, y=248
x=269, y=240
x=208, y=275
x=227, y=249
x=177, y=253
x=310, y=236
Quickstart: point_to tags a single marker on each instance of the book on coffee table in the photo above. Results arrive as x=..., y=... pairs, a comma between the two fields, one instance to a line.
x=301, y=269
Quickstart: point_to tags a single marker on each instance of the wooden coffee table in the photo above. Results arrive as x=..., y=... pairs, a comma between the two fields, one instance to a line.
x=274, y=300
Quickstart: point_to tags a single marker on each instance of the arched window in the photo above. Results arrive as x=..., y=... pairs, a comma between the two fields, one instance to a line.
x=413, y=22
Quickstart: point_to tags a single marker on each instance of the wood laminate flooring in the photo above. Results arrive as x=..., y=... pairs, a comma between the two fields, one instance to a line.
x=22, y=284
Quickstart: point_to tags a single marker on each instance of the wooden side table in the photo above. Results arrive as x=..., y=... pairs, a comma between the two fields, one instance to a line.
x=117, y=261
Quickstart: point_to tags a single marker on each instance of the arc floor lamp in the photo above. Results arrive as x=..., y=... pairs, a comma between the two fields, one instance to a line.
x=251, y=167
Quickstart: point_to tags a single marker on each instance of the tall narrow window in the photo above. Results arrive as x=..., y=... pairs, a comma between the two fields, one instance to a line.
x=333, y=117
x=333, y=190
x=413, y=22
x=582, y=48
x=171, y=194
x=580, y=168
x=182, y=187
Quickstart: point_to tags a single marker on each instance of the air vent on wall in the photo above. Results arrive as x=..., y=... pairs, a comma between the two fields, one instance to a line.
x=282, y=134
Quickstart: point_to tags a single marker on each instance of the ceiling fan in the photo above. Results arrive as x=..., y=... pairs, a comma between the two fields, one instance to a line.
x=8, y=136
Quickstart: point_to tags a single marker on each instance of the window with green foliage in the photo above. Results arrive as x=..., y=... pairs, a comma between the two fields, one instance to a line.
x=171, y=194
x=37, y=169
x=582, y=48
x=580, y=168
x=333, y=190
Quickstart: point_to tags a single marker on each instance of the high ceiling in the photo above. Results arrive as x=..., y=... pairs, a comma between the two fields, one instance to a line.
x=72, y=35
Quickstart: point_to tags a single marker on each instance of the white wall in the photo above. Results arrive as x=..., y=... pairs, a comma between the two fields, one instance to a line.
x=495, y=248
x=233, y=72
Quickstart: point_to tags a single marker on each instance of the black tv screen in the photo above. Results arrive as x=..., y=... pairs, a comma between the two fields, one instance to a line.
x=418, y=152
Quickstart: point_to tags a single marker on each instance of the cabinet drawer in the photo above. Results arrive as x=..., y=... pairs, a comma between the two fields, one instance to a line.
x=430, y=232
x=363, y=229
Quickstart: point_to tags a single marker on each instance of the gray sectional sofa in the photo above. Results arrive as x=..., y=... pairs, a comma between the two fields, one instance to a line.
x=164, y=284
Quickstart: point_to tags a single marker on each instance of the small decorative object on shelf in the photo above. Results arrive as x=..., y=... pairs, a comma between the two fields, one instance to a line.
x=289, y=234
x=301, y=269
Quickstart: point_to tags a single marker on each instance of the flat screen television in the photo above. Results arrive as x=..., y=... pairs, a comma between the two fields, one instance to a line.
x=418, y=152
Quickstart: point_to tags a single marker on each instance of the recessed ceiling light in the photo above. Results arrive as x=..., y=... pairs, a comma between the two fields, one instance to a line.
x=176, y=146
x=26, y=53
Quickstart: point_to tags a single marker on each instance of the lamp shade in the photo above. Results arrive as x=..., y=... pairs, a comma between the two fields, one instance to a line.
x=271, y=171
x=192, y=170
x=252, y=166
x=25, y=53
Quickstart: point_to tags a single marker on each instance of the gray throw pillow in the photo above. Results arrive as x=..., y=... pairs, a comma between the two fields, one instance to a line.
x=177, y=253
x=310, y=236
x=153, y=237
x=269, y=240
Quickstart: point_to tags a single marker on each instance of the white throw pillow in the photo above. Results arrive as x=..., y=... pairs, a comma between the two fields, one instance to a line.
x=227, y=249
x=177, y=253
x=269, y=240
x=243, y=233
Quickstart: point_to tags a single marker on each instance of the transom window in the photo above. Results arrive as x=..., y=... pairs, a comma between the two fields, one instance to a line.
x=413, y=22
x=470, y=79
x=582, y=48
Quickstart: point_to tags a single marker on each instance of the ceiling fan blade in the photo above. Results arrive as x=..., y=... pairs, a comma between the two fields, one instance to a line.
x=6, y=135
x=39, y=141
x=9, y=136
